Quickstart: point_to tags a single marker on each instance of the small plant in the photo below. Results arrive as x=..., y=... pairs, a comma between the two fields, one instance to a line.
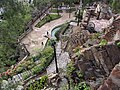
x=80, y=75
x=39, y=84
x=118, y=44
x=77, y=49
x=103, y=42
x=95, y=36
x=82, y=86
x=70, y=68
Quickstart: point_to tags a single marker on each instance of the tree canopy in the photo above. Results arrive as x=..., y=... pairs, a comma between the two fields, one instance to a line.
x=15, y=16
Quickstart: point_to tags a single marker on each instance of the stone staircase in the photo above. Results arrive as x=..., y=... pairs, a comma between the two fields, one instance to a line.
x=19, y=77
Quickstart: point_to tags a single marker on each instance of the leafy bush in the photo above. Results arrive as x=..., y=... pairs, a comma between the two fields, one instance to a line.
x=26, y=75
x=82, y=86
x=47, y=51
x=45, y=59
x=95, y=36
x=70, y=68
x=115, y=5
x=43, y=81
x=26, y=65
x=76, y=78
x=80, y=75
x=38, y=85
x=37, y=69
x=19, y=69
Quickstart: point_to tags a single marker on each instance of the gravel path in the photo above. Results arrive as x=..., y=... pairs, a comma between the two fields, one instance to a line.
x=34, y=39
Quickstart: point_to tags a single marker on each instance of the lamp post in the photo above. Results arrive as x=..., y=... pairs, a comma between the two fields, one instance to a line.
x=53, y=43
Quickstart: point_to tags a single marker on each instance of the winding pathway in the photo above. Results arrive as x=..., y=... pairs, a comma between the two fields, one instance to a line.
x=34, y=39
x=62, y=60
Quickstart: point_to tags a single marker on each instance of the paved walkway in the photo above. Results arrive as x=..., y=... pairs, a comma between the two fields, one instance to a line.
x=34, y=39
x=62, y=60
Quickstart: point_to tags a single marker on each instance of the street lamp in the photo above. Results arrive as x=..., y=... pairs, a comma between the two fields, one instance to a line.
x=53, y=43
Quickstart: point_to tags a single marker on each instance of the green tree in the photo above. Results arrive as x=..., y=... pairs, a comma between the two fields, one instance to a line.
x=15, y=16
x=115, y=5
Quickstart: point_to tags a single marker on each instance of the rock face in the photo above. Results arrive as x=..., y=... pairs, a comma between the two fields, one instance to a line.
x=104, y=58
x=78, y=38
x=97, y=62
x=113, y=81
x=113, y=32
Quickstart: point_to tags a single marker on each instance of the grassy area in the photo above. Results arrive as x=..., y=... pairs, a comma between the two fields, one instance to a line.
x=48, y=18
x=55, y=11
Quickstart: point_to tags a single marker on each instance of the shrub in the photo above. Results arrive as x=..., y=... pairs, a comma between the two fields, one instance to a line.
x=26, y=75
x=103, y=42
x=40, y=84
x=70, y=68
x=47, y=51
x=29, y=64
x=95, y=36
x=19, y=69
x=80, y=75
x=43, y=81
x=37, y=69
x=82, y=86
x=45, y=59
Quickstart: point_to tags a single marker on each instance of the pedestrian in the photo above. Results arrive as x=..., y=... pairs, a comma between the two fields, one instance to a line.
x=42, y=43
x=47, y=33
